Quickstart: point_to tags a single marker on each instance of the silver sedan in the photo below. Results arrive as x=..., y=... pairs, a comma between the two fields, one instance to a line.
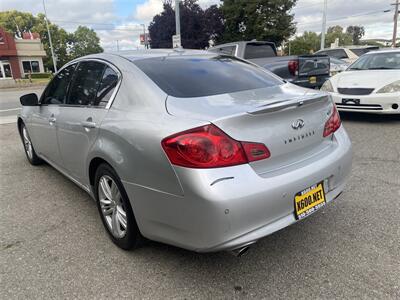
x=202, y=151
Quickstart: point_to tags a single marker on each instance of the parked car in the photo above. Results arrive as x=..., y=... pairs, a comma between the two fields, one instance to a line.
x=371, y=84
x=191, y=148
x=309, y=71
x=348, y=54
x=337, y=66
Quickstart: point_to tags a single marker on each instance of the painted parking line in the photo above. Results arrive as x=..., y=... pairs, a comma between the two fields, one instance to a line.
x=8, y=119
x=10, y=109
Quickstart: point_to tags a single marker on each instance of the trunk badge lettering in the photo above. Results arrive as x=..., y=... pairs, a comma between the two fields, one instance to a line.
x=300, y=137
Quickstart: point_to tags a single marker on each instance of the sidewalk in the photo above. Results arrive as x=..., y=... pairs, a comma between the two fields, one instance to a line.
x=24, y=83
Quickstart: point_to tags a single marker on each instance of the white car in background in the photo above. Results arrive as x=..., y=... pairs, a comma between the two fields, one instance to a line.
x=371, y=84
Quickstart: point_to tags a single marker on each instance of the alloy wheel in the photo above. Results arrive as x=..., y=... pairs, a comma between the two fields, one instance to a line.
x=112, y=206
x=27, y=143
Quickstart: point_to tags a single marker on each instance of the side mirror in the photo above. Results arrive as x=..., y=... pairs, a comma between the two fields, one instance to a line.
x=29, y=100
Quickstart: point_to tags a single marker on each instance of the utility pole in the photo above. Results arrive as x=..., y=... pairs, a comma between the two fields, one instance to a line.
x=144, y=36
x=396, y=16
x=177, y=20
x=51, y=44
x=324, y=25
x=117, y=46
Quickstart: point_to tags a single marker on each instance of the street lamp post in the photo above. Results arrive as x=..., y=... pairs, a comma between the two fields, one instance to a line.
x=396, y=16
x=324, y=25
x=50, y=42
x=144, y=36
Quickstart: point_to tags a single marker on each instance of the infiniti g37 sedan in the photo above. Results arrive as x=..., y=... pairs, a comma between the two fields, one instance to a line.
x=199, y=150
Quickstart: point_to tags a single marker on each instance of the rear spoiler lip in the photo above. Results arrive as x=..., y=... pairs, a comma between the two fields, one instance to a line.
x=280, y=105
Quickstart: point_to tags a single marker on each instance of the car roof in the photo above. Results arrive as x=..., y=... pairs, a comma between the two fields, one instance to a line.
x=243, y=43
x=389, y=50
x=133, y=55
x=349, y=48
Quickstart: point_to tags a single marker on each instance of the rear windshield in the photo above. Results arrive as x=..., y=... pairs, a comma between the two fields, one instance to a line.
x=198, y=76
x=257, y=50
x=361, y=51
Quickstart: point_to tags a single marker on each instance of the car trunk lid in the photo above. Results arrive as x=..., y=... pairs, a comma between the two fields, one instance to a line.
x=287, y=119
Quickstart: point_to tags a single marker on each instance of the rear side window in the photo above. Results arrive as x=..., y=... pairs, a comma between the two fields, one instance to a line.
x=257, y=50
x=56, y=92
x=227, y=50
x=86, y=82
x=197, y=76
x=107, y=86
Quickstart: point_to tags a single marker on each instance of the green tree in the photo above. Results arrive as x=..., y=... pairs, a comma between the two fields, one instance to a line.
x=336, y=32
x=84, y=41
x=60, y=38
x=357, y=32
x=258, y=19
x=304, y=44
x=17, y=22
x=198, y=25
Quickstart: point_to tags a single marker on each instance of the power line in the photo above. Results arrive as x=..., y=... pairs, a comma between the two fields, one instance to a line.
x=347, y=17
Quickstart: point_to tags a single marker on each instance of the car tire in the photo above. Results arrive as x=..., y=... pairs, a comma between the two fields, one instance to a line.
x=115, y=209
x=28, y=146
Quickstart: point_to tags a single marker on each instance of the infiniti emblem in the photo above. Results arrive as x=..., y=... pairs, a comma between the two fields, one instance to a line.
x=298, y=124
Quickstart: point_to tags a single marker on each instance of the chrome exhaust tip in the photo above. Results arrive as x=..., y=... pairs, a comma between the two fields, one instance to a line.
x=240, y=251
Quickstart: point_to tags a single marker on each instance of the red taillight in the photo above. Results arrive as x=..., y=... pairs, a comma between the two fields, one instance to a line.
x=255, y=151
x=209, y=147
x=293, y=66
x=333, y=122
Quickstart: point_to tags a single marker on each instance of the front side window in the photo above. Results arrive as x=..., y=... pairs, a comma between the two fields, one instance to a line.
x=56, y=91
x=86, y=82
x=198, y=76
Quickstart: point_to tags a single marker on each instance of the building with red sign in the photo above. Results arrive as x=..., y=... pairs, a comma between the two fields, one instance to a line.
x=20, y=56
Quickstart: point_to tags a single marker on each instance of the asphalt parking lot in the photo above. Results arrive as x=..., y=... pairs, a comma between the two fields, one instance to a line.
x=53, y=245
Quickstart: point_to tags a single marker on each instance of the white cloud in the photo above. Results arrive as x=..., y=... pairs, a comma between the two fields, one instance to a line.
x=147, y=10
x=377, y=24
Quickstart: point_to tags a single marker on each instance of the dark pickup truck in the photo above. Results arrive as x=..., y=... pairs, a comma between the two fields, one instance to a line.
x=309, y=71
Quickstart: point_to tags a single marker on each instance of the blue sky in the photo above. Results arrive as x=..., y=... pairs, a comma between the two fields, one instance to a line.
x=122, y=18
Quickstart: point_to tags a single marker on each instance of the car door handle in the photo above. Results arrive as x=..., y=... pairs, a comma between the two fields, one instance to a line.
x=88, y=124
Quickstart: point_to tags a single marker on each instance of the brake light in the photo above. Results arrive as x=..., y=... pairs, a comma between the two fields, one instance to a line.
x=210, y=147
x=293, y=66
x=333, y=122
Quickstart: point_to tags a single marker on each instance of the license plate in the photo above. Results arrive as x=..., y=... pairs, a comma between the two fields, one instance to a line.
x=351, y=101
x=312, y=79
x=309, y=200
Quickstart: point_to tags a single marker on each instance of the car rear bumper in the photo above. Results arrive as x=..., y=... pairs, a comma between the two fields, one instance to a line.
x=226, y=208
x=373, y=103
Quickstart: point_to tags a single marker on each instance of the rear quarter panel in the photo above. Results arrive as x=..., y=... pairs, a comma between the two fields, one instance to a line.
x=130, y=135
